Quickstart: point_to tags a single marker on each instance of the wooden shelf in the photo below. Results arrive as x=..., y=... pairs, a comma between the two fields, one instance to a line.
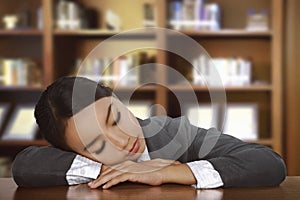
x=228, y=88
x=150, y=88
x=29, y=32
x=96, y=32
x=104, y=33
x=227, y=33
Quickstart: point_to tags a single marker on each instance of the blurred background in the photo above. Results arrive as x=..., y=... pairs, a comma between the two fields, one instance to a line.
x=253, y=44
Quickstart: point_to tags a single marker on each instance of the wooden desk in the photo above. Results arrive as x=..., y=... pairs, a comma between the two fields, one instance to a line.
x=290, y=189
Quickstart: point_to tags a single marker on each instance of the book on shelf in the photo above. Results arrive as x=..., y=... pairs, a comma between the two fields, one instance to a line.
x=242, y=121
x=194, y=15
x=5, y=167
x=40, y=20
x=126, y=70
x=222, y=71
x=112, y=20
x=21, y=124
x=19, y=72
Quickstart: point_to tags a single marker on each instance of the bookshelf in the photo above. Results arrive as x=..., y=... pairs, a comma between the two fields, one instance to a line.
x=48, y=47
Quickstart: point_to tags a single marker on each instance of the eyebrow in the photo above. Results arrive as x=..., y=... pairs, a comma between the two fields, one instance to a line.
x=108, y=113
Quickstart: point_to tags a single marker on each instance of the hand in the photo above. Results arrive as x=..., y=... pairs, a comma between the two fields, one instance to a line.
x=148, y=172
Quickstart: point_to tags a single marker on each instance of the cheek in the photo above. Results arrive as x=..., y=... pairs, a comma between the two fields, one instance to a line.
x=109, y=156
x=129, y=124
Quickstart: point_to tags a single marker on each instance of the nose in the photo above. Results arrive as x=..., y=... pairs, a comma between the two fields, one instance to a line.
x=119, y=139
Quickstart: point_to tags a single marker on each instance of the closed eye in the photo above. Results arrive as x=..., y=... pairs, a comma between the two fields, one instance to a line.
x=117, y=119
x=101, y=148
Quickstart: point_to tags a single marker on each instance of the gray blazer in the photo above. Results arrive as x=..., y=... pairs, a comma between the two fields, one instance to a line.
x=239, y=164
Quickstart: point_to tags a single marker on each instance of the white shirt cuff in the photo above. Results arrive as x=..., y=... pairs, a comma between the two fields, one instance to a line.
x=83, y=170
x=205, y=174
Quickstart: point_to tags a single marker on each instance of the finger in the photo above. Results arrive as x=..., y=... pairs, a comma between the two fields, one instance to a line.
x=106, y=172
x=118, y=167
x=117, y=180
x=103, y=179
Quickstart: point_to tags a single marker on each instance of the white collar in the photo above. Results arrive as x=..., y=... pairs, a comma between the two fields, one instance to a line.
x=145, y=155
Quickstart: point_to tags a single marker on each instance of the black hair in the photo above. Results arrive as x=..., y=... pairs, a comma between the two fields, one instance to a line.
x=59, y=102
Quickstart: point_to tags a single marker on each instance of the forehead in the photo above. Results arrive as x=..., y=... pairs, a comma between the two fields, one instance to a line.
x=88, y=122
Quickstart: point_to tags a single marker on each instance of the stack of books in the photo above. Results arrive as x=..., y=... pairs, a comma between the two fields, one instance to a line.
x=222, y=71
x=126, y=70
x=195, y=15
x=72, y=15
x=19, y=72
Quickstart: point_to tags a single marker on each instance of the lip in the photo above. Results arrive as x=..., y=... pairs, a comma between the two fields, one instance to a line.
x=135, y=147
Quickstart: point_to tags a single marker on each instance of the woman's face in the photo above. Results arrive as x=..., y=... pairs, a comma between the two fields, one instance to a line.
x=105, y=131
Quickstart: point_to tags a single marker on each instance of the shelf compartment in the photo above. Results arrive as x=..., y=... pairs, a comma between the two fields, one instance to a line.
x=233, y=18
x=81, y=47
x=257, y=50
x=22, y=46
x=187, y=97
x=15, y=7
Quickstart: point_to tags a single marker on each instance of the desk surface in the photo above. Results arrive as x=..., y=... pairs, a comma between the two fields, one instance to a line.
x=289, y=189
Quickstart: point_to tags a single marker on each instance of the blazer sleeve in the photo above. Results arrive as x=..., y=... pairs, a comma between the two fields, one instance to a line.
x=41, y=166
x=239, y=164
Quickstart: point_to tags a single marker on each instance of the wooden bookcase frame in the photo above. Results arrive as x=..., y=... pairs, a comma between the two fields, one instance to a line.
x=48, y=38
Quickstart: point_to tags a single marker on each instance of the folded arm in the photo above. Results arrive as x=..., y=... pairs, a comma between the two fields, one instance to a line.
x=49, y=166
x=240, y=164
